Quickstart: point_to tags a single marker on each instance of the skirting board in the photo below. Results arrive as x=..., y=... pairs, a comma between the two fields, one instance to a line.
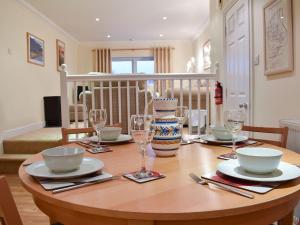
x=19, y=131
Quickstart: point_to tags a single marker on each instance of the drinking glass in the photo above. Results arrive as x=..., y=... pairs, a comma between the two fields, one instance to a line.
x=142, y=132
x=98, y=118
x=181, y=113
x=233, y=122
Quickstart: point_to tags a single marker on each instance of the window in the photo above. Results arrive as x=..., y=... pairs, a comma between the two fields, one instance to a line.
x=127, y=65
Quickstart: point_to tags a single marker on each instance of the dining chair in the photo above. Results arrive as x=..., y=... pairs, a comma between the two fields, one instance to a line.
x=283, y=131
x=65, y=132
x=9, y=214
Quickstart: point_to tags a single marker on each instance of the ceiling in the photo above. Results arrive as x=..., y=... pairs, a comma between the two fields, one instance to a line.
x=126, y=20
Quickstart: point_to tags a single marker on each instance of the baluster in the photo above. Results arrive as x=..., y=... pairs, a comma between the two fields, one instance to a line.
x=119, y=101
x=84, y=105
x=181, y=94
x=76, y=104
x=199, y=105
x=110, y=104
x=190, y=106
x=101, y=94
x=136, y=97
x=146, y=98
x=172, y=89
x=128, y=107
x=207, y=106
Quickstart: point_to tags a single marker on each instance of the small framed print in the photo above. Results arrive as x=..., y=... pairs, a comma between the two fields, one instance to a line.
x=278, y=37
x=60, y=53
x=206, y=55
x=35, y=50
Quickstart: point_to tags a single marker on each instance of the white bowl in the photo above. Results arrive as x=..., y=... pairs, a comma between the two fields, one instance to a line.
x=221, y=133
x=110, y=133
x=63, y=159
x=165, y=104
x=258, y=160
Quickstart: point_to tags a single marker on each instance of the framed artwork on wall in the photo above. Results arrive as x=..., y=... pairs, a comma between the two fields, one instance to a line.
x=278, y=37
x=206, y=55
x=60, y=53
x=35, y=50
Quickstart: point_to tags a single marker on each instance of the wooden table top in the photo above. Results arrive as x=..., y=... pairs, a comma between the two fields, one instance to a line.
x=176, y=196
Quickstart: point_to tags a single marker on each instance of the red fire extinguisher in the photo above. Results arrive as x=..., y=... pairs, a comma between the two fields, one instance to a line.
x=219, y=94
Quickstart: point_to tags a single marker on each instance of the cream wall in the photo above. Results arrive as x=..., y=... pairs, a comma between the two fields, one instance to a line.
x=274, y=97
x=23, y=85
x=181, y=54
x=198, y=43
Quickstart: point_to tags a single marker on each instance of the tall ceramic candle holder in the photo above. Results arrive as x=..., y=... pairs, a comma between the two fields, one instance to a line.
x=167, y=137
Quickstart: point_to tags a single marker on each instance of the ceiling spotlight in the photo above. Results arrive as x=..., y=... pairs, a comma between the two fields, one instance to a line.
x=165, y=18
x=161, y=35
x=108, y=36
x=97, y=19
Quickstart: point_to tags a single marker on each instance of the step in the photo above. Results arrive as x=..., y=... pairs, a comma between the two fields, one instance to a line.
x=10, y=163
x=33, y=142
x=28, y=147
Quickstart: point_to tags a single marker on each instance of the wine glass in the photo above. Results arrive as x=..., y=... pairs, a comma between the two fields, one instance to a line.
x=234, y=121
x=181, y=114
x=98, y=118
x=142, y=132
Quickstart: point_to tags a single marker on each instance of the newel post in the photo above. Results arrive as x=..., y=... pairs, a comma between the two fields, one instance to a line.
x=64, y=97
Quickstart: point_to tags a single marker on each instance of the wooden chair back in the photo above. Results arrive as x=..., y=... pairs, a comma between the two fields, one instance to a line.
x=65, y=132
x=9, y=214
x=270, y=130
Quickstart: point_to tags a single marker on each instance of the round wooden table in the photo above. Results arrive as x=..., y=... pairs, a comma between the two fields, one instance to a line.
x=175, y=200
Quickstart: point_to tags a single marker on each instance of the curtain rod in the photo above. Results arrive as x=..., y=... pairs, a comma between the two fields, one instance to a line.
x=131, y=49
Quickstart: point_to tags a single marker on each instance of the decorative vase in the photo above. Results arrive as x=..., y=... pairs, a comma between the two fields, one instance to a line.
x=167, y=136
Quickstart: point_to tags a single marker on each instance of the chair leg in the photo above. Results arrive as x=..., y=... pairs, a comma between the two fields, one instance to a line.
x=2, y=221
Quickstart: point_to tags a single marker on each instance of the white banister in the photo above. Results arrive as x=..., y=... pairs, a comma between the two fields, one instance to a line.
x=119, y=102
x=65, y=117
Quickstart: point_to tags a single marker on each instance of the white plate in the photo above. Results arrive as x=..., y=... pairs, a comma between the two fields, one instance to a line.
x=212, y=139
x=88, y=165
x=284, y=172
x=122, y=138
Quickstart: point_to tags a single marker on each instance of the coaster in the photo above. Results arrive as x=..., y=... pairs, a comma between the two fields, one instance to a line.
x=96, y=151
x=227, y=156
x=155, y=176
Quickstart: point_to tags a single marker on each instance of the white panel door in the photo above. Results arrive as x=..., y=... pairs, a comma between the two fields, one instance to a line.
x=237, y=53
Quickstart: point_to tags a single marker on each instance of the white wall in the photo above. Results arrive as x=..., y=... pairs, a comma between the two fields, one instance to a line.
x=23, y=85
x=275, y=97
x=181, y=54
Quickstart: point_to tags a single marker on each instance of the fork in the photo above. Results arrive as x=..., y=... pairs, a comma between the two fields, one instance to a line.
x=224, y=186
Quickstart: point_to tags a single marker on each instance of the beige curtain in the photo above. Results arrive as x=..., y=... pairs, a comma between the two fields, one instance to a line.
x=102, y=60
x=163, y=64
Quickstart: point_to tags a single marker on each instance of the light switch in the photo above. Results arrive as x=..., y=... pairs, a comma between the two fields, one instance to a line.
x=256, y=60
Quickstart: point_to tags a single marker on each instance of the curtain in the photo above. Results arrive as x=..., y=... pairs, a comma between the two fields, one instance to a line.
x=163, y=64
x=102, y=60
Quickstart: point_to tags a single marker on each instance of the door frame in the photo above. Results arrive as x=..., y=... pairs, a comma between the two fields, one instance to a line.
x=251, y=65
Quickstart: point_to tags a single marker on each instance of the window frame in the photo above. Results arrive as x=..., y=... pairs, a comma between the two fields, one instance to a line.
x=133, y=61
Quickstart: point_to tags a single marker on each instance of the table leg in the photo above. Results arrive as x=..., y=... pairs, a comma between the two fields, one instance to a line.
x=287, y=220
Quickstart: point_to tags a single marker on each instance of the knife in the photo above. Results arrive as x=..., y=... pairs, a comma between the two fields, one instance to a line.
x=83, y=184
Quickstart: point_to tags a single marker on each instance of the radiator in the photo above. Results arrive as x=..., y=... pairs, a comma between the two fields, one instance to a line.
x=293, y=142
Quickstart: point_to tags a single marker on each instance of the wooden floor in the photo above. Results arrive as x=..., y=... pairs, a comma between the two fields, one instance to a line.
x=30, y=214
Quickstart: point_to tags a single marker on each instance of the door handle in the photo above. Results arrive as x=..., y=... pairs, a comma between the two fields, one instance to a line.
x=243, y=105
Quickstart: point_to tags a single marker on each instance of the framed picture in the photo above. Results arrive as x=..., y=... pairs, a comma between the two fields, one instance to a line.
x=60, y=54
x=206, y=55
x=278, y=37
x=35, y=50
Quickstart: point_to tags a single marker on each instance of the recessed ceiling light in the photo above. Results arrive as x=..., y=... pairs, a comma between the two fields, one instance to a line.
x=108, y=36
x=165, y=18
x=97, y=19
x=161, y=35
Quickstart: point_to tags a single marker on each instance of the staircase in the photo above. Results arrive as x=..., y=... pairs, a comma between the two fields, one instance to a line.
x=20, y=148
